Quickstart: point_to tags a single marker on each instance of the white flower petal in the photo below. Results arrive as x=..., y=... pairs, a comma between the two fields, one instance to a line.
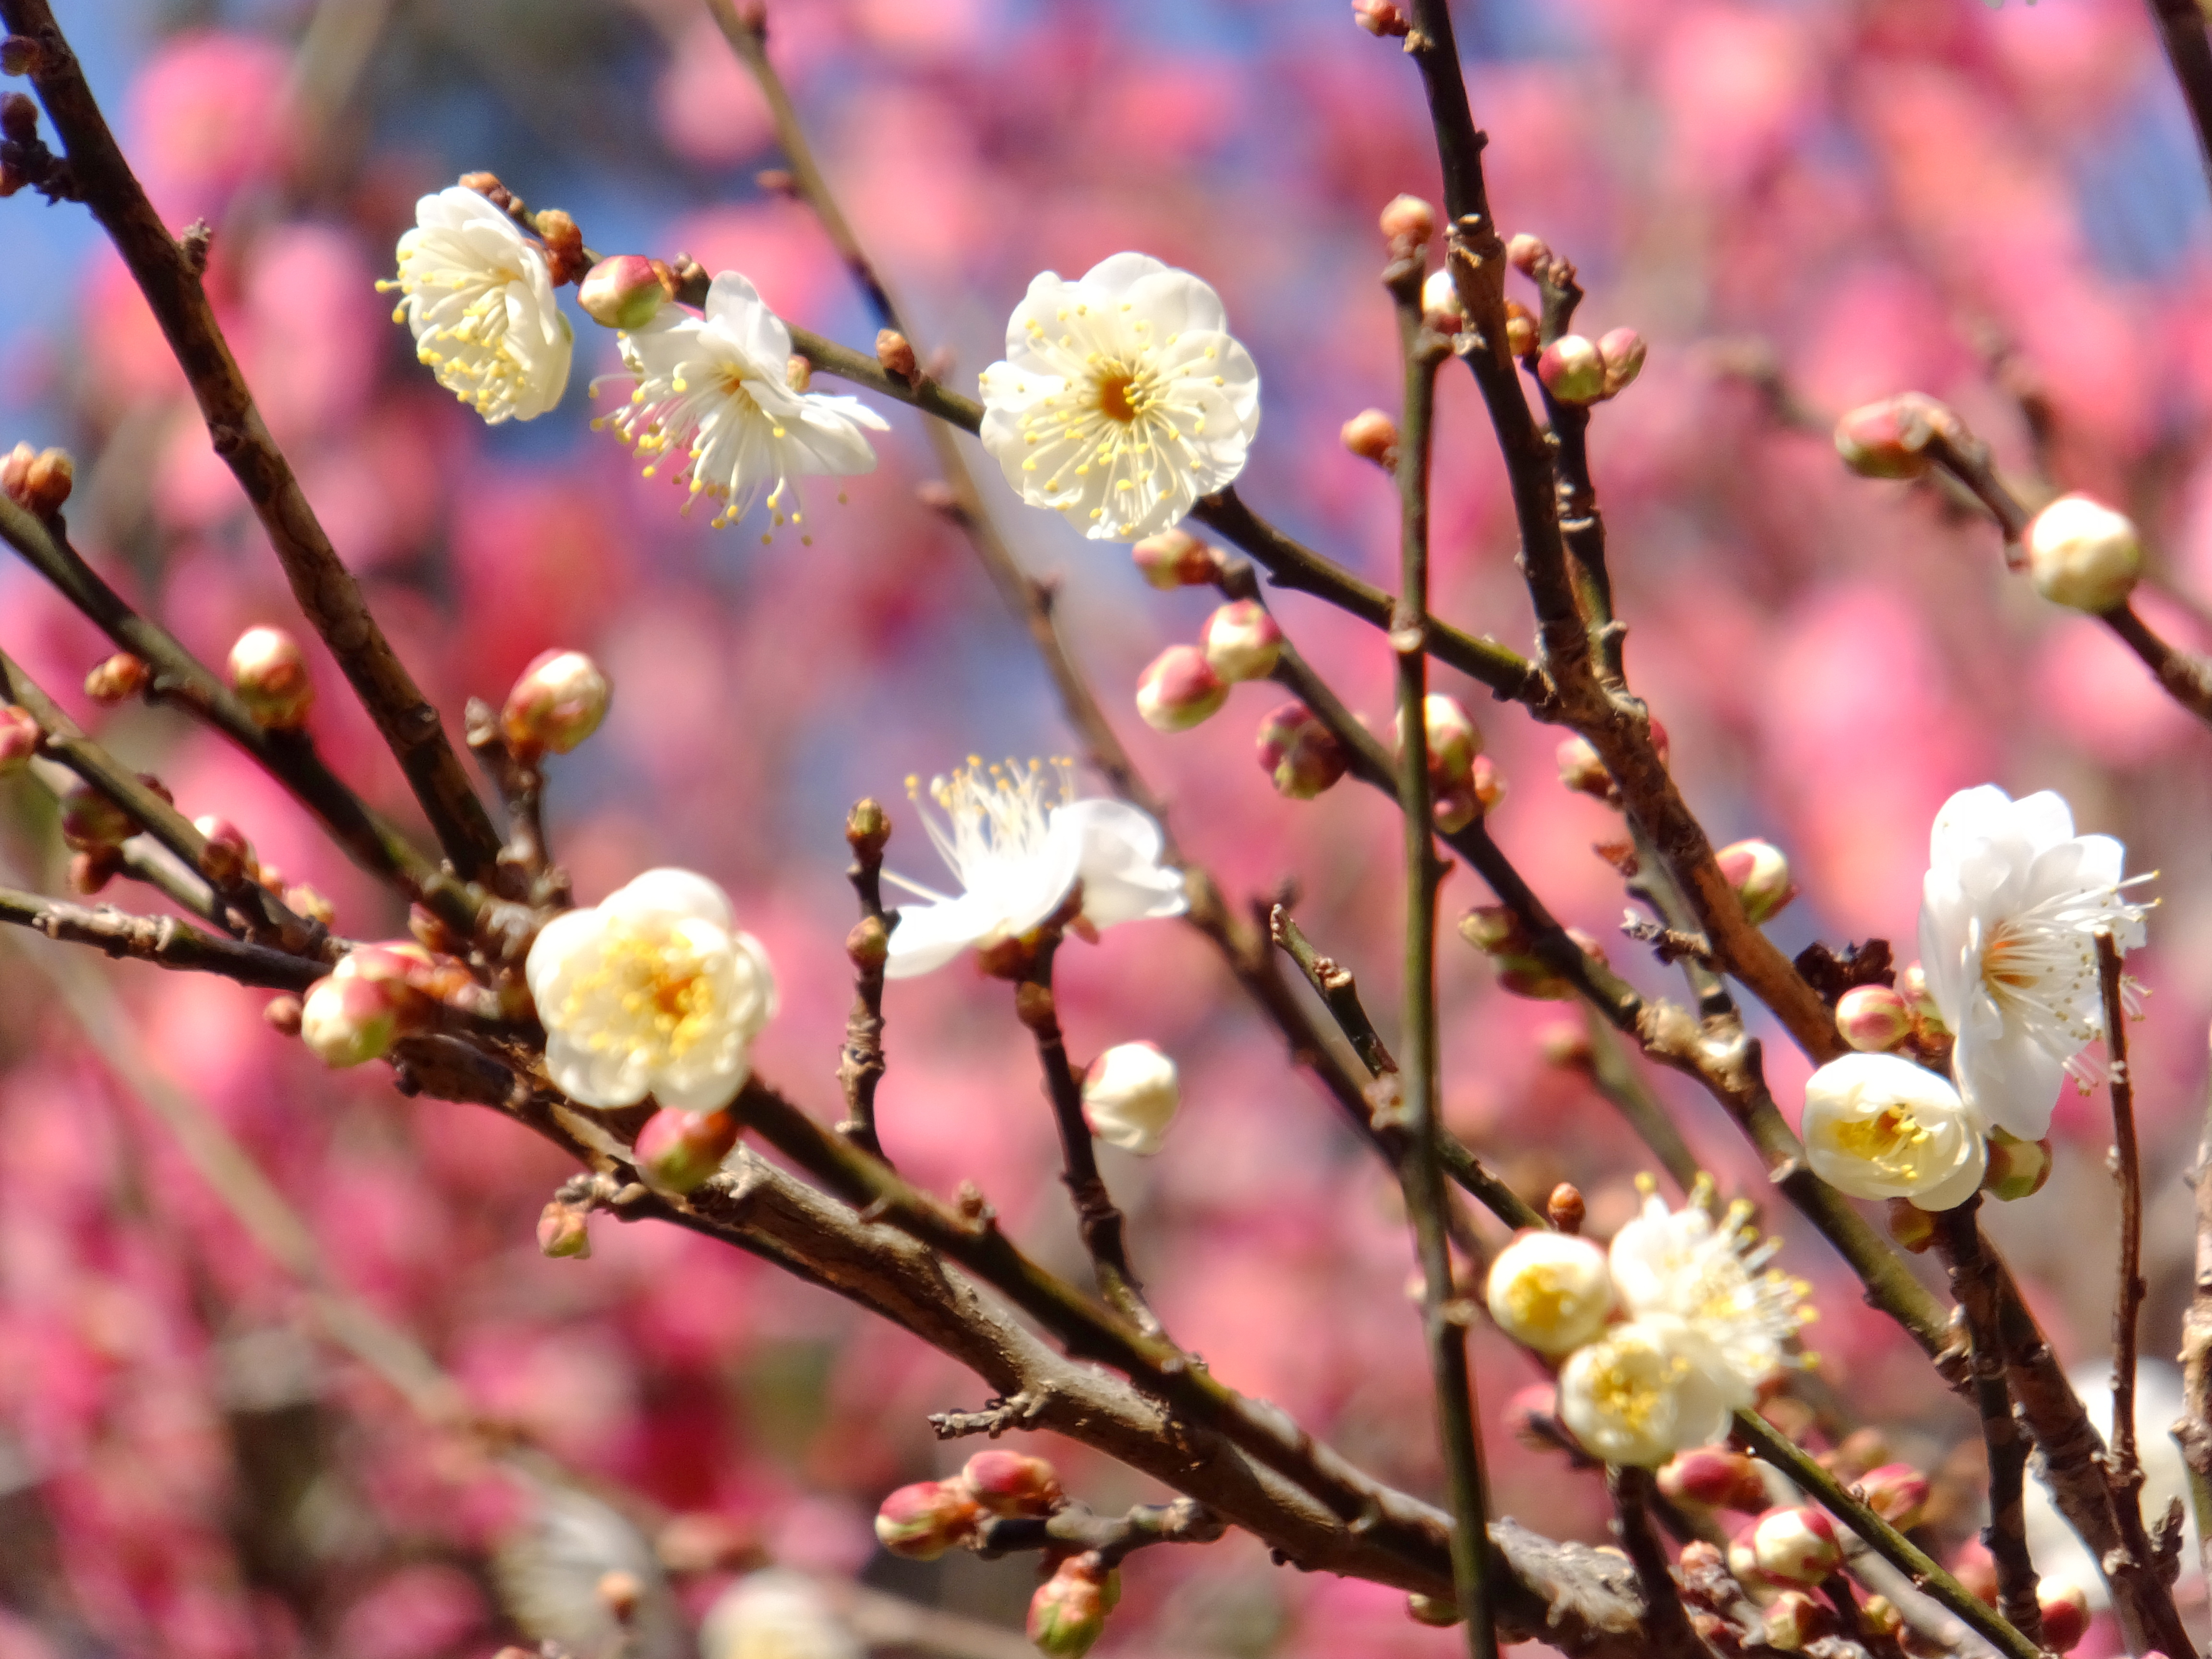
x=477, y=294
x=930, y=935
x=673, y=893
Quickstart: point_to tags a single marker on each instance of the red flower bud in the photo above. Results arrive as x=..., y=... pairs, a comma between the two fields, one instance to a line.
x=676, y=1151
x=923, y=1520
x=1373, y=436
x=229, y=856
x=1622, y=351
x=622, y=292
x=1760, y=875
x=1242, y=641
x=19, y=738
x=2065, y=1611
x=1407, y=224
x=1174, y=558
x=1873, y=1018
x=1009, y=1483
x=1712, y=1477
x=1897, y=1492
x=558, y=701
x=117, y=679
x=91, y=821
x=1068, y=1614
x=1299, y=752
x=1796, y=1546
x=1890, y=438
x=270, y=673
x=1571, y=370
x=1386, y=18
x=561, y=1231
x=1179, y=689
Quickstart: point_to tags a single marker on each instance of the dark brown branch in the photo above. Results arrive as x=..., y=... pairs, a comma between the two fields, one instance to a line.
x=2181, y=31
x=1614, y=1070
x=1076, y=1527
x=2127, y=1172
x=163, y=940
x=326, y=591
x=1667, y=1621
x=860, y=1062
x=2186, y=677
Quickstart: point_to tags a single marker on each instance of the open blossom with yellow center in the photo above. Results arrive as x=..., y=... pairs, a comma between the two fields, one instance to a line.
x=711, y=396
x=1122, y=398
x=1877, y=1126
x=1639, y=1396
x=653, y=991
x=1550, y=1291
x=1021, y=842
x=478, y=295
x=2009, y=914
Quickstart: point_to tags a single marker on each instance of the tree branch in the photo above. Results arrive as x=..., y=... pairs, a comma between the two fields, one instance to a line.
x=162, y=940
x=2127, y=1171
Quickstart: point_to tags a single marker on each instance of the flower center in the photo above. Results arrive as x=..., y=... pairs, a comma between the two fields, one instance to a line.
x=1886, y=1140
x=1114, y=399
x=1540, y=1297
x=1629, y=1384
x=658, y=985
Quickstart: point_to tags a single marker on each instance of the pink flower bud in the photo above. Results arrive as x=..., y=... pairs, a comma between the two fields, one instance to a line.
x=229, y=856
x=1743, y=1562
x=1913, y=1227
x=1179, y=689
x=1487, y=782
x=923, y=1520
x=1897, y=1492
x=2065, y=1610
x=1582, y=771
x=1407, y=224
x=282, y=1015
x=1437, y=1612
x=1571, y=370
x=1873, y=1018
x=347, y=1020
x=37, y=480
x=1527, y=254
x=1454, y=738
x=2017, y=1168
x=117, y=679
x=1385, y=18
x=558, y=701
x=1299, y=752
x=1010, y=1483
x=1532, y=1415
x=1068, y=1614
x=93, y=869
x=1373, y=436
x=1174, y=558
x=19, y=738
x=91, y=821
x=1242, y=641
x=1621, y=351
x=2083, y=555
x=1496, y=931
x=270, y=673
x=1712, y=1477
x=622, y=292
x=896, y=353
x=1976, y=1570
x=1796, y=1546
x=1441, y=309
x=561, y=1231
x=1522, y=331
x=1890, y=438
x=676, y=1151
x=1794, y=1621
x=1879, y=1617
x=1760, y=875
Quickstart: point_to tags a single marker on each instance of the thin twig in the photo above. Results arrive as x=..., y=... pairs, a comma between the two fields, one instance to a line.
x=1614, y=1070
x=1667, y=1622
x=2194, y=1428
x=1076, y=1528
x=860, y=1061
x=327, y=594
x=2127, y=1171
x=1420, y=1167
x=163, y=940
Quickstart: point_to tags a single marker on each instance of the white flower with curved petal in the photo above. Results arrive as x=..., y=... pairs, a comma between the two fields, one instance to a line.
x=1877, y=1126
x=2008, y=912
x=652, y=991
x=1122, y=397
x=1735, y=1321
x=1019, y=842
x=712, y=391
x=478, y=295
x=1637, y=1395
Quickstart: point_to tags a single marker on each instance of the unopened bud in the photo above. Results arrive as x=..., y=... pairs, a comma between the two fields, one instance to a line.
x=677, y=1150
x=1873, y=1018
x=1441, y=309
x=1913, y=986
x=1713, y=1478
x=119, y=678
x=1299, y=752
x=564, y=241
x=1486, y=783
x=1130, y=1097
x=896, y=353
x=558, y=701
x=799, y=375
x=1454, y=741
x=310, y=904
x=1437, y=1612
x=1529, y=255
x=561, y=1231
x=1385, y=18
x=1174, y=558
x=1571, y=370
x=269, y=671
x=41, y=481
x=282, y=1014
x=347, y=1020
x=868, y=946
x=1373, y=436
x=1242, y=641
x=1796, y=1546
x=1550, y=1291
x=2065, y=1610
x=1879, y=1618
x=91, y=820
x=1890, y=438
x=1581, y=769
x=19, y=738
x=1897, y=1492
x=1407, y=224
x=923, y=1520
x=1565, y=1210
x=1010, y=1483
x=228, y=856
x=93, y=869
x=1523, y=331
x=867, y=828
x=1179, y=689
x=1794, y=1621
x=2083, y=554
x=19, y=55
x=622, y=292
x=1495, y=930
x=2017, y=1168
x=1760, y=875
x=1976, y=1570
x=1913, y=1227
x=1565, y=1043
x=1622, y=351
x=1860, y=1450
x=1067, y=1614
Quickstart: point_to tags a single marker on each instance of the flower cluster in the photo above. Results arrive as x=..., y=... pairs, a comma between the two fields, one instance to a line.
x=1702, y=1329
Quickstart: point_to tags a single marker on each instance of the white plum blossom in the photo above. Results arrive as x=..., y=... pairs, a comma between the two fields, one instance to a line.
x=1020, y=842
x=1877, y=1126
x=1130, y=1095
x=654, y=990
x=2010, y=909
x=1550, y=1291
x=776, y=1614
x=1734, y=1321
x=1637, y=1396
x=478, y=295
x=713, y=391
x=1122, y=397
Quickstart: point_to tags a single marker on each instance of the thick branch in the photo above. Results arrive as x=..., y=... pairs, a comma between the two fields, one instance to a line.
x=328, y=595
x=163, y=940
x=2127, y=1171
